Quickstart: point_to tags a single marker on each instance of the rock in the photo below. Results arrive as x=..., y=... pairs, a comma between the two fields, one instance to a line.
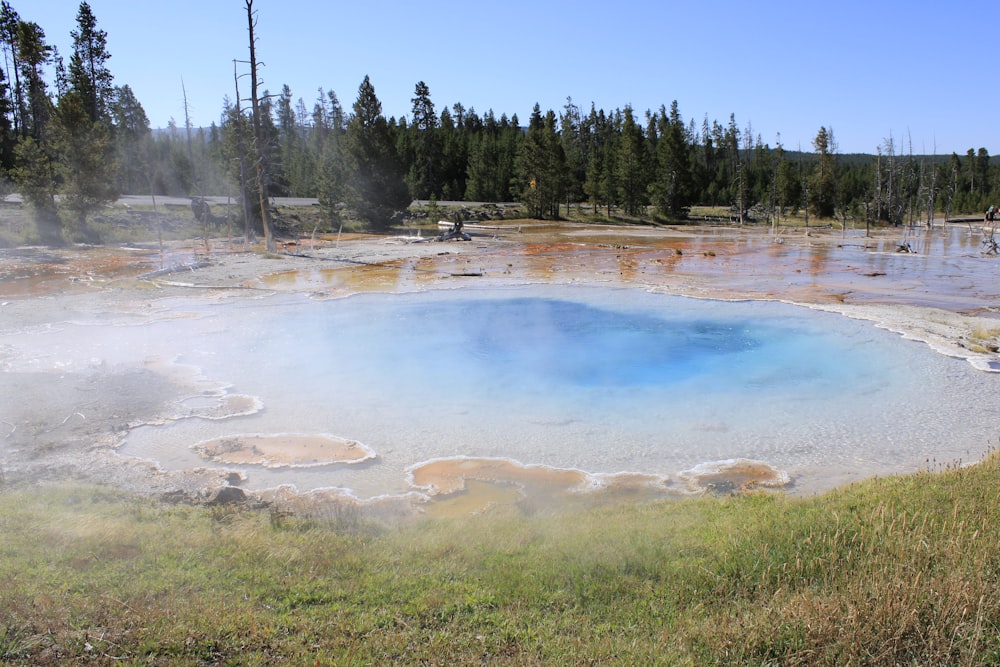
x=234, y=479
x=228, y=495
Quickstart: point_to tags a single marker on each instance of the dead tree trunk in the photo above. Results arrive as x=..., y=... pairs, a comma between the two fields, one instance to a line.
x=261, y=168
x=242, y=152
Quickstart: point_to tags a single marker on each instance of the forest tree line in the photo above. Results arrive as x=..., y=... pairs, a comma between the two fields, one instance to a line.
x=66, y=129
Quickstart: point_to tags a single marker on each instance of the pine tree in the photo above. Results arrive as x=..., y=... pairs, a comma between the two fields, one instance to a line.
x=8, y=137
x=35, y=174
x=9, y=22
x=601, y=185
x=34, y=54
x=483, y=167
x=288, y=149
x=453, y=141
x=704, y=159
x=375, y=187
x=542, y=166
x=86, y=161
x=332, y=179
x=492, y=158
x=34, y=158
x=88, y=72
x=235, y=136
x=982, y=166
x=949, y=176
x=673, y=183
x=425, y=142
x=573, y=140
x=823, y=188
x=788, y=191
x=132, y=138
x=631, y=166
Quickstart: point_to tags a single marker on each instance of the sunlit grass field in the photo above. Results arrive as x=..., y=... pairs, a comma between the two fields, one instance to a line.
x=901, y=570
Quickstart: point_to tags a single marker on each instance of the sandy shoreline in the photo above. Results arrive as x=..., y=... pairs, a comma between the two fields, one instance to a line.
x=52, y=427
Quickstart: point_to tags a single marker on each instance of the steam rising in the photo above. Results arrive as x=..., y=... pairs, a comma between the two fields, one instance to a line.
x=506, y=392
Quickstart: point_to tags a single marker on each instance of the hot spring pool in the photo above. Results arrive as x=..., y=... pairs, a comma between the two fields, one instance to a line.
x=599, y=380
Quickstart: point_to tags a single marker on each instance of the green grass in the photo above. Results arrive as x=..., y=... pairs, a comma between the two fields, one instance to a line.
x=144, y=224
x=901, y=570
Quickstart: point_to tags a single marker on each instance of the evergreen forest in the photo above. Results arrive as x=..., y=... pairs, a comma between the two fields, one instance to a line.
x=72, y=140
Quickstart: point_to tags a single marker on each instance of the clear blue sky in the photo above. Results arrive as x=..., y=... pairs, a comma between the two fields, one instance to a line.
x=924, y=72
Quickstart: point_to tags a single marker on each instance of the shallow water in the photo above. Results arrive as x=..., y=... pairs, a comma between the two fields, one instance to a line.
x=600, y=380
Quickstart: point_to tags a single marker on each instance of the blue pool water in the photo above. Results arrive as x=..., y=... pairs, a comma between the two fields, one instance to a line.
x=460, y=348
x=597, y=379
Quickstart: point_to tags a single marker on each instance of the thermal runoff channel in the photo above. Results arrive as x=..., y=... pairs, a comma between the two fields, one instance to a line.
x=598, y=380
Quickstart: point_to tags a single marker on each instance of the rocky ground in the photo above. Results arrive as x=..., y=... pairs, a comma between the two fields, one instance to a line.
x=67, y=425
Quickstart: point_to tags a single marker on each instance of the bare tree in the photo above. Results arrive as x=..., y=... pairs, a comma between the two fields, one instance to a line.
x=237, y=120
x=261, y=168
x=930, y=190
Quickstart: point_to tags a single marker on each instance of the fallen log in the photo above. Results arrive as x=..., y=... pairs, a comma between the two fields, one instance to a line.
x=454, y=233
x=176, y=268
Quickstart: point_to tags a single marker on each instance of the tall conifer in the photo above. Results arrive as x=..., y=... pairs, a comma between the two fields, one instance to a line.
x=89, y=75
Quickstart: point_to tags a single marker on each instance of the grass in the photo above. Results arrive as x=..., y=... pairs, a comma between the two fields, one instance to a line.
x=984, y=339
x=138, y=224
x=144, y=224
x=705, y=215
x=901, y=570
